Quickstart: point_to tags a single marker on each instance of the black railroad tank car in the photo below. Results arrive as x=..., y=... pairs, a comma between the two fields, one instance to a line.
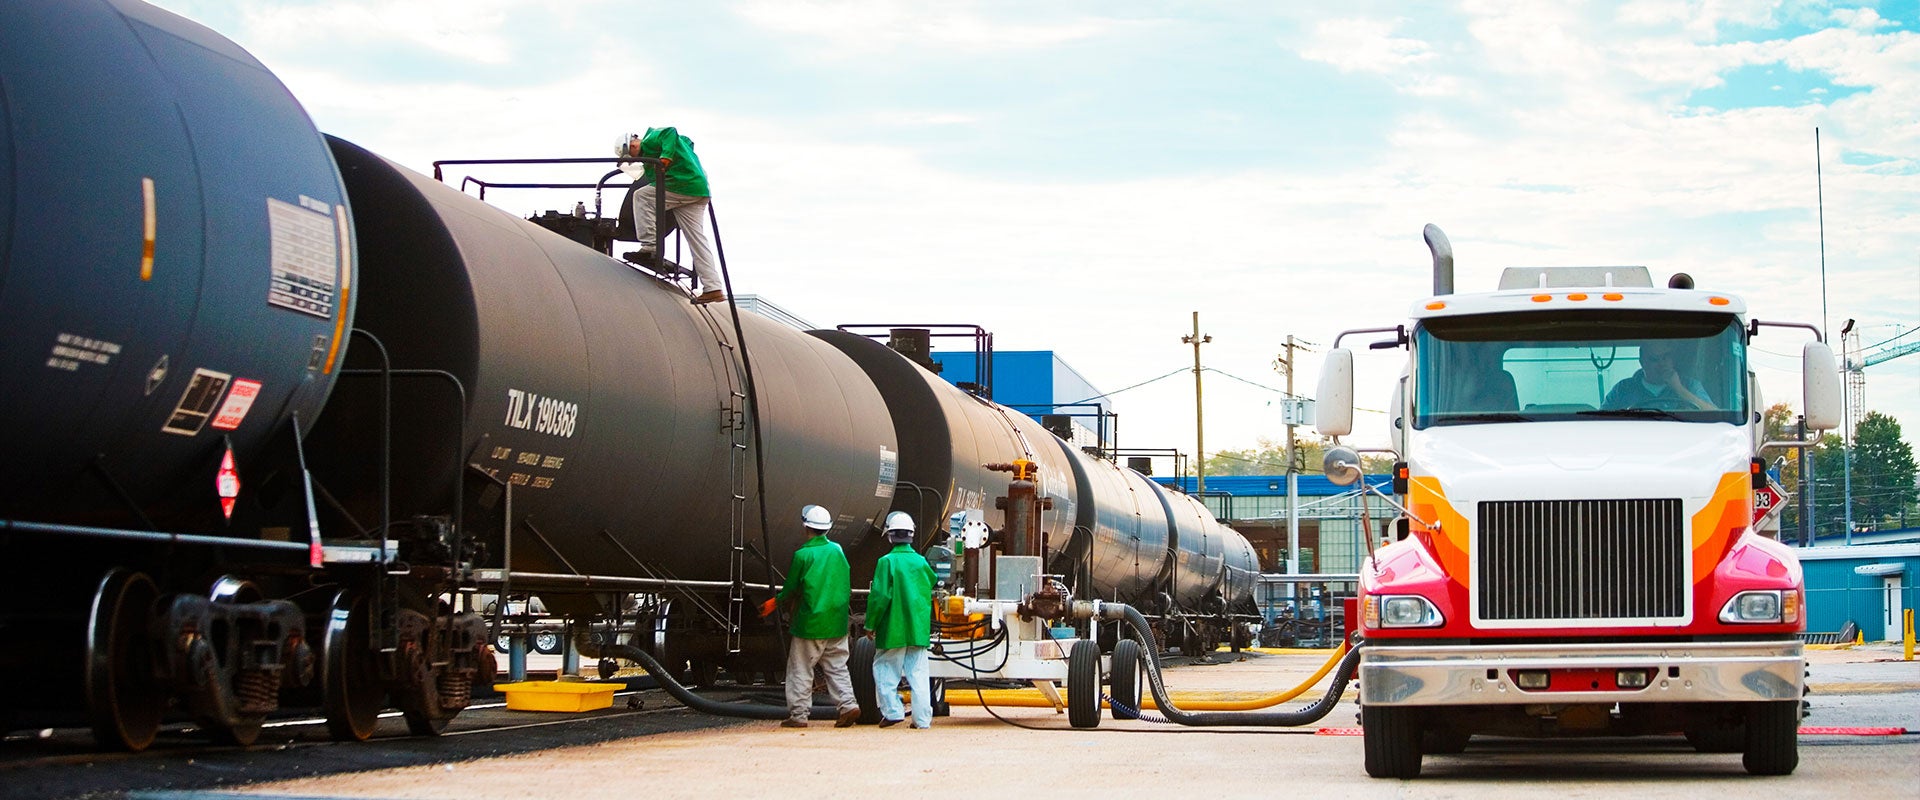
x=613, y=409
x=175, y=264
x=176, y=278
x=1111, y=533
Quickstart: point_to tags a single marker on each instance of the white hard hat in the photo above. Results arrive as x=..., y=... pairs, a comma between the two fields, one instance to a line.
x=899, y=521
x=816, y=518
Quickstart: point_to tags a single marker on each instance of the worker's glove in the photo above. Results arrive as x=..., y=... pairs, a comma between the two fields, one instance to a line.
x=766, y=608
x=665, y=162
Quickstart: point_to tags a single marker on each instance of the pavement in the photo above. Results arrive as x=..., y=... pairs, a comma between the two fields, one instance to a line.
x=993, y=752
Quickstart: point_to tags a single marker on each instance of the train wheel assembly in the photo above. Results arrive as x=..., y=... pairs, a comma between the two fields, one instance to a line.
x=1125, y=689
x=1391, y=737
x=355, y=695
x=1083, y=684
x=124, y=701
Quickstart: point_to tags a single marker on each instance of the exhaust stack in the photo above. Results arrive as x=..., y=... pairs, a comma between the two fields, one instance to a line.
x=1442, y=259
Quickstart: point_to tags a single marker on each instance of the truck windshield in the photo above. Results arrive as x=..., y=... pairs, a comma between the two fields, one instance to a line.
x=1535, y=367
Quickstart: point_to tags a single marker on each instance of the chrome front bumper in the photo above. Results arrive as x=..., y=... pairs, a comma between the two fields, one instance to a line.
x=1481, y=674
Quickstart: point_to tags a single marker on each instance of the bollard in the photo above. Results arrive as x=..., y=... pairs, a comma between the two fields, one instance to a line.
x=1908, y=638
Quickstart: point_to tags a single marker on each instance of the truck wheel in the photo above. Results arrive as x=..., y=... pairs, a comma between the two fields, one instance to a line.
x=1773, y=731
x=860, y=668
x=1083, y=684
x=546, y=643
x=1126, y=679
x=1392, y=741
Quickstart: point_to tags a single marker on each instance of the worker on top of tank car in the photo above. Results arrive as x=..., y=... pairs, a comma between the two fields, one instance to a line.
x=900, y=620
x=819, y=593
x=687, y=198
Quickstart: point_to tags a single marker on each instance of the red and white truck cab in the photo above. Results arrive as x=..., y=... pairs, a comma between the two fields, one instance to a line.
x=1577, y=456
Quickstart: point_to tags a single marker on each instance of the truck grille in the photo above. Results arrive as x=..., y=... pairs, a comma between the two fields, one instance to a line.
x=1581, y=559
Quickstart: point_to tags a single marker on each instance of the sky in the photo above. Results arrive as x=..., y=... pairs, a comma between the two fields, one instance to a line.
x=1084, y=176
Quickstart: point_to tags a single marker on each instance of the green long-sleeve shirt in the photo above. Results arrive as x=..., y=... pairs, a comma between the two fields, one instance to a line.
x=684, y=175
x=820, y=589
x=900, y=604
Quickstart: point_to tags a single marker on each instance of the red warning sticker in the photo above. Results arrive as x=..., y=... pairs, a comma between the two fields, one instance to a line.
x=239, y=401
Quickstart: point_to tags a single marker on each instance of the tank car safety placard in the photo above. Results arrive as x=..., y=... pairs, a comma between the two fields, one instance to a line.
x=304, y=255
x=197, y=402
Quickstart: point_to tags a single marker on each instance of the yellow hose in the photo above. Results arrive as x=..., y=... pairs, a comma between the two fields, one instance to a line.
x=1187, y=701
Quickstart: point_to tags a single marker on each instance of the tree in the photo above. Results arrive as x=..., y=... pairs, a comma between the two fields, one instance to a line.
x=1270, y=458
x=1882, y=476
x=1883, y=469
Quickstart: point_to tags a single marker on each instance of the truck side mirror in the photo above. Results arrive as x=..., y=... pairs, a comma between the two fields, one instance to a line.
x=1820, y=387
x=1341, y=465
x=1333, y=401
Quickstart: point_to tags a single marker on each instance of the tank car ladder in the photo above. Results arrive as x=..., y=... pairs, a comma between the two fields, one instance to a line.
x=733, y=420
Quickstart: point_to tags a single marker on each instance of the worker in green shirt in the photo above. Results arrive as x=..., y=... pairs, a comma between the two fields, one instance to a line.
x=818, y=593
x=687, y=198
x=900, y=619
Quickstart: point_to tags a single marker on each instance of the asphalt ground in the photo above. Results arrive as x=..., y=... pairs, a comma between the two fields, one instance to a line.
x=661, y=750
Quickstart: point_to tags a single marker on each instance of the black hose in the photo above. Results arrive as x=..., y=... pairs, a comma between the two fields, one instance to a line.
x=1312, y=713
x=707, y=705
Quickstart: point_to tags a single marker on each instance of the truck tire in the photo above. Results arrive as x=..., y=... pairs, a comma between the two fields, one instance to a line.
x=1392, y=741
x=860, y=669
x=1773, y=731
x=546, y=642
x=1083, y=684
x=1126, y=680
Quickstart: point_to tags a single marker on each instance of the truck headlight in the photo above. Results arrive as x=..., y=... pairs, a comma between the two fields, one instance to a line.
x=1408, y=611
x=1759, y=606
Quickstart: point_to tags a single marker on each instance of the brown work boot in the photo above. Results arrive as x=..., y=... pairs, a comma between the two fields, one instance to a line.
x=709, y=296
x=847, y=718
x=793, y=723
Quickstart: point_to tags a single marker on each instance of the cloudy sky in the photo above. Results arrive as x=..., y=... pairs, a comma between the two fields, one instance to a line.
x=1083, y=176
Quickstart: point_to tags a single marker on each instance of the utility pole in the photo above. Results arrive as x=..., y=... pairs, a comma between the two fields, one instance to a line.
x=1293, y=472
x=1846, y=439
x=1806, y=484
x=1199, y=420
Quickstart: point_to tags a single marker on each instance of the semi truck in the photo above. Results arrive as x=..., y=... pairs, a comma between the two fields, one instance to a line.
x=1576, y=454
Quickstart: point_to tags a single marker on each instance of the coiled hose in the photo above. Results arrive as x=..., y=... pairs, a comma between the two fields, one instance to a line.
x=706, y=705
x=1312, y=713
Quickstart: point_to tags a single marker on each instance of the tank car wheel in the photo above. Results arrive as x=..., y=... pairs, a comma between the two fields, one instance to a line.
x=937, y=690
x=243, y=733
x=420, y=724
x=860, y=669
x=1391, y=739
x=123, y=700
x=1083, y=685
x=1773, y=731
x=354, y=695
x=1126, y=680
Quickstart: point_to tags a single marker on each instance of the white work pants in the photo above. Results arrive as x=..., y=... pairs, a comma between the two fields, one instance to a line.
x=889, y=666
x=690, y=213
x=831, y=656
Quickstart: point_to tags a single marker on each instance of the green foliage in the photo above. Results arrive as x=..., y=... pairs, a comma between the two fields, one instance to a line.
x=1270, y=458
x=1882, y=481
